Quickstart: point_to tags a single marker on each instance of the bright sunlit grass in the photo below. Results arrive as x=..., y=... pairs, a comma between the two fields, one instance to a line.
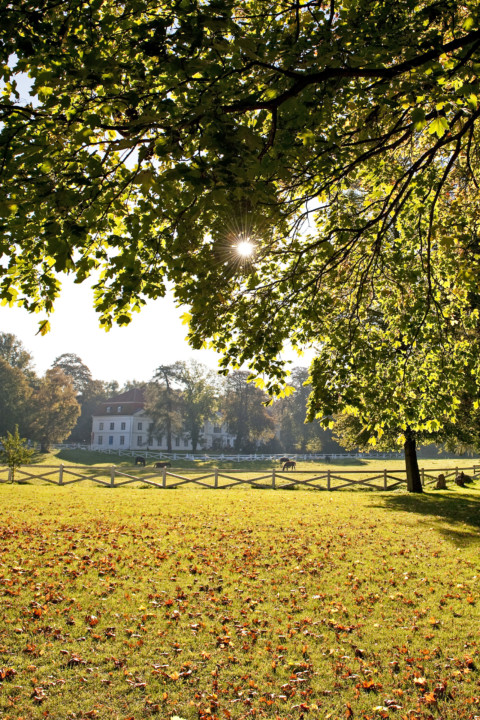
x=144, y=604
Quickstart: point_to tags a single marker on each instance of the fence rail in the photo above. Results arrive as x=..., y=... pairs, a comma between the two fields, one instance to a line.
x=235, y=457
x=150, y=454
x=330, y=479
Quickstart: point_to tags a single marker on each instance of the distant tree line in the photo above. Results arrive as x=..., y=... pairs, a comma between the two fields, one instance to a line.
x=180, y=398
x=45, y=409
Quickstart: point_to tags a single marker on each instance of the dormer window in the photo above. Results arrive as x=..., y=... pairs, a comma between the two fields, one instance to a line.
x=109, y=409
x=119, y=408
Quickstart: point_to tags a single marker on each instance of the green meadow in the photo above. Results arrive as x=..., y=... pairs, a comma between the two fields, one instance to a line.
x=124, y=462
x=131, y=604
x=80, y=465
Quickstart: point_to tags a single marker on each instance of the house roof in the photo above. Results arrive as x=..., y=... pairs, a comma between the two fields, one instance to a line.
x=133, y=395
x=130, y=403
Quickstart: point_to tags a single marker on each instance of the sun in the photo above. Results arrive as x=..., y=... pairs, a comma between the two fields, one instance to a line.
x=245, y=248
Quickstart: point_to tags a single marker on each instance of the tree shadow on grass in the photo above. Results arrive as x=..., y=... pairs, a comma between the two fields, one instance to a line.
x=346, y=461
x=37, y=457
x=82, y=457
x=459, y=508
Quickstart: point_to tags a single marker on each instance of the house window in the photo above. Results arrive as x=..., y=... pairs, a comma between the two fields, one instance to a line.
x=150, y=427
x=217, y=429
x=112, y=426
x=122, y=439
x=100, y=440
x=139, y=440
x=160, y=440
x=119, y=408
x=110, y=439
x=140, y=426
x=123, y=426
x=109, y=409
x=185, y=442
x=100, y=427
x=177, y=442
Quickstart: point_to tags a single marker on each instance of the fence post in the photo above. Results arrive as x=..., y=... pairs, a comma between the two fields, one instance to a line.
x=328, y=479
x=422, y=471
x=273, y=479
x=216, y=477
x=385, y=479
x=60, y=475
x=10, y=475
x=164, y=477
x=112, y=476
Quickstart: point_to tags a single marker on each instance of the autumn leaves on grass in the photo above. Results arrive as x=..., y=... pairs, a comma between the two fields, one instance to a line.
x=227, y=606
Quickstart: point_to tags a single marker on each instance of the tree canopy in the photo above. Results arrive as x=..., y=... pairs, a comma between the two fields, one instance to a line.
x=159, y=133
x=295, y=433
x=245, y=414
x=74, y=368
x=15, y=451
x=339, y=139
x=14, y=353
x=54, y=408
x=15, y=393
x=180, y=399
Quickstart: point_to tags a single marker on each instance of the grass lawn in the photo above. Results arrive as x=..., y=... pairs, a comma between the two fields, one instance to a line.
x=91, y=457
x=133, y=604
x=94, y=464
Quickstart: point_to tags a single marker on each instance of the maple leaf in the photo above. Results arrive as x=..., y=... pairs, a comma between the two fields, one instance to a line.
x=370, y=686
x=420, y=681
x=39, y=695
x=429, y=698
x=7, y=673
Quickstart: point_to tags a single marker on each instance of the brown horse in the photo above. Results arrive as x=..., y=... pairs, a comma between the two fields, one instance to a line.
x=162, y=465
x=290, y=464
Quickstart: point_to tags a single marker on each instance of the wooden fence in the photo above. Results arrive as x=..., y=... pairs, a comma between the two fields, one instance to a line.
x=330, y=479
x=223, y=455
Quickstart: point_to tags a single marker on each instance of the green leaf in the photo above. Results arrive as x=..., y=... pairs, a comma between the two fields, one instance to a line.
x=438, y=127
x=418, y=118
x=472, y=102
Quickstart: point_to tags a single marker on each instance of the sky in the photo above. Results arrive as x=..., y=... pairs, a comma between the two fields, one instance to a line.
x=156, y=336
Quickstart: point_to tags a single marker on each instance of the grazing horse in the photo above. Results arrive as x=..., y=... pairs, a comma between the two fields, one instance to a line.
x=140, y=460
x=290, y=464
x=461, y=479
x=162, y=465
x=284, y=460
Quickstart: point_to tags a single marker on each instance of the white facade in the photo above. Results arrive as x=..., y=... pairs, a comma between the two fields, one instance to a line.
x=121, y=424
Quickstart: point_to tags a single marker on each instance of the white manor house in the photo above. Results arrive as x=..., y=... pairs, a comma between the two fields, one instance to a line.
x=121, y=423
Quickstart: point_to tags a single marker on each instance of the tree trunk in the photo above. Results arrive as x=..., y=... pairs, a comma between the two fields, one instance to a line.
x=168, y=428
x=414, y=483
x=169, y=416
